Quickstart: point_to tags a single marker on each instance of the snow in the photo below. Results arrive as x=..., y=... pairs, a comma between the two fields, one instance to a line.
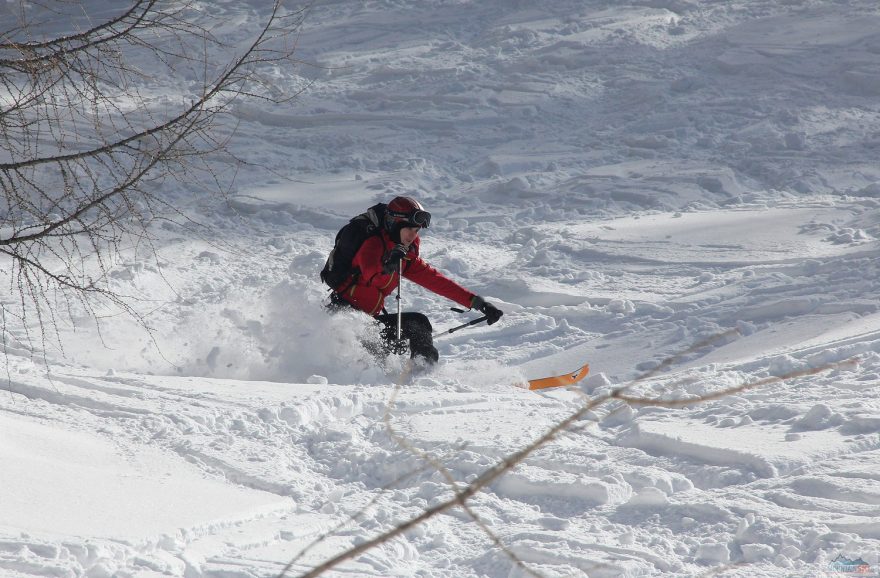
x=76, y=483
x=624, y=181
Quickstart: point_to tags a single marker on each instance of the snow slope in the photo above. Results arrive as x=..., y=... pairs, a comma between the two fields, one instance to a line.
x=624, y=181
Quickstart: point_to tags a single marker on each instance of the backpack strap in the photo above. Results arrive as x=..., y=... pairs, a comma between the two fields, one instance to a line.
x=348, y=242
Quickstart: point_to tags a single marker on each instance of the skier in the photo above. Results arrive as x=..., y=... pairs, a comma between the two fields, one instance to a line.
x=374, y=274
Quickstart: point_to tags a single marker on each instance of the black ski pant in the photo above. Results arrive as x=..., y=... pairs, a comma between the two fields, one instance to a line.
x=415, y=328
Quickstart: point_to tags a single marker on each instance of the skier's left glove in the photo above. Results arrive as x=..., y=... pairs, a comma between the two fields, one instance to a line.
x=390, y=263
x=490, y=311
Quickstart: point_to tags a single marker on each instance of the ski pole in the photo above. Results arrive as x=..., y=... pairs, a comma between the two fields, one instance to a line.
x=462, y=326
x=399, y=283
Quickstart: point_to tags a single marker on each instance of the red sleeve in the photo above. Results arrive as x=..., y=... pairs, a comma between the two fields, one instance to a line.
x=364, y=294
x=430, y=278
x=368, y=259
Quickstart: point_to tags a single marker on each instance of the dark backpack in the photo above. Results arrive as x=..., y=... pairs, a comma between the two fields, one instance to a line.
x=337, y=270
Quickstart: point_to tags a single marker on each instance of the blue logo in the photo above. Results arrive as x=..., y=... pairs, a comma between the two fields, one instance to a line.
x=847, y=567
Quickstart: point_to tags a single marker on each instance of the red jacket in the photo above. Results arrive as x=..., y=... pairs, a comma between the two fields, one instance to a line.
x=371, y=287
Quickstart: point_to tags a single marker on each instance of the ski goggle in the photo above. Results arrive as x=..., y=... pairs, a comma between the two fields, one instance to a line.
x=417, y=218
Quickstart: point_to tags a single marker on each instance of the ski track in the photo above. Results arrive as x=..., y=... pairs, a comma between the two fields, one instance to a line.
x=680, y=190
x=603, y=486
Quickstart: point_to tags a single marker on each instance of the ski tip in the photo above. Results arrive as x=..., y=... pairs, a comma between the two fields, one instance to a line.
x=560, y=380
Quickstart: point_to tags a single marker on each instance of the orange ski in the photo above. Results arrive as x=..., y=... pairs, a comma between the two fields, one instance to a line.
x=560, y=380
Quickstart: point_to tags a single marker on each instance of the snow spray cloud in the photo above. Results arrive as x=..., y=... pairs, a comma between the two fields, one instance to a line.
x=285, y=335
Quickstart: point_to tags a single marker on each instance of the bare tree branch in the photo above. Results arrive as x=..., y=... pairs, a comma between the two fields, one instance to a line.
x=462, y=494
x=86, y=148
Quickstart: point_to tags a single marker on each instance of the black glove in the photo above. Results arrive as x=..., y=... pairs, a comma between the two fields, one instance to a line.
x=487, y=309
x=392, y=258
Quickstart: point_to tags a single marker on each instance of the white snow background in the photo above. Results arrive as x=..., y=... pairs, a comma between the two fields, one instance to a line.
x=624, y=180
